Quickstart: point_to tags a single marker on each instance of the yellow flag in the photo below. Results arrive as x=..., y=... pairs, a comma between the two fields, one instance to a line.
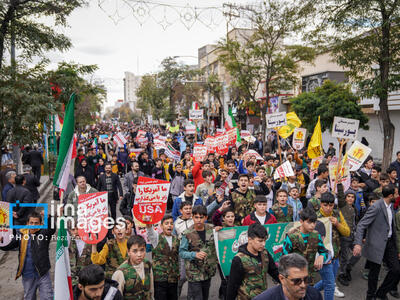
x=174, y=129
x=315, y=145
x=293, y=121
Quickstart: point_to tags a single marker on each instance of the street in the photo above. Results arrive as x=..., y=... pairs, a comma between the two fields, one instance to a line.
x=12, y=289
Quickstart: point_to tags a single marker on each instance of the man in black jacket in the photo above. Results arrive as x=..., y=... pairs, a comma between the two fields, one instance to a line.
x=129, y=199
x=93, y=286
x=110, y=182
x=32, y=183
x=34, y=262
x=293, y=275
x=23, y=195
x=35, y=159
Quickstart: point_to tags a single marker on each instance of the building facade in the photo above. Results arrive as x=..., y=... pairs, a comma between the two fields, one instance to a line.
x=131, y=84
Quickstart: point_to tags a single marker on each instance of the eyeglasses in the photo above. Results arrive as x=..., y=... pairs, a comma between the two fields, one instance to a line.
x=298, y=281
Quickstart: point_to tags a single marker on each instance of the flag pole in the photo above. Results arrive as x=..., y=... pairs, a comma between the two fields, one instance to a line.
x=279, y=145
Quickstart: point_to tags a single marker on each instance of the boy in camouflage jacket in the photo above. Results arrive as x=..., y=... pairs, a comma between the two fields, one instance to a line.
x=243, y=199
x=79, y=254
x=135, y=275
x=198, y=250
x=307, y=242
x=248, y=275
x=281, y=210
x=165, y=260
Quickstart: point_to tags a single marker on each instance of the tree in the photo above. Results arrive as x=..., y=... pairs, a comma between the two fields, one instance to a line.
x=70, y=78
x=173, y=75
x=19, y=22
x=329, y=100
x=263, y=56
x=152, y=97
x=24, y=104
x=123, y=113
x=364, y=38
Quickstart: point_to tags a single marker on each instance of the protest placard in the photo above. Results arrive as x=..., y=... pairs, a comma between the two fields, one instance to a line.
x=344, y=128
x=284, y=170
x=222, y=144
x=356, y=155
x=251, y=153
x=229, y=239
x=232, y=136
x=119, y=139
x=5, y=231
x=196, y=114
x=210, y=143
x=190, y=129
x=276, y=120
x=344, y=174
x=315, y=162
x=199, y=152
x=92, y=215
x=159, y=144
x=299, y=138
x=172, y=153
x=150, y=200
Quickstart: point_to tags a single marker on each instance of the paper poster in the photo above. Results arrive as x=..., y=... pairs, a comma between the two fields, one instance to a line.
x=276, y=120
x=120, y=139
x=92, y=214
x=315, y=162
x=344, y=128
x=250, y=154
x=5, y=231
x=159, y=144
x=284, y=170
x=222, y=144
x=196, y=114
x=229, y=239
x=344, y=174
x=210, y=144
x=273, y=105
x=151, y=200
x=190, y=129
x=199, y=152
x=232, y=136
x=356, y=155
x=142, y=230
x=299, y=138
x=172, y=153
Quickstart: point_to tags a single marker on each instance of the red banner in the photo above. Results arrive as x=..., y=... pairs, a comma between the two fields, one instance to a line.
x=222, y=144
x=232, y=136
x=210, y=144
x=92, y=214
x=199, y=152
x=151, y=200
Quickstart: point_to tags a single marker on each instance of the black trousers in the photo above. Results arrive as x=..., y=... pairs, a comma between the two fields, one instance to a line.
x=199, y=290
x=37, y=171
x=112, y=203
x=164, y=290
x=392, y=277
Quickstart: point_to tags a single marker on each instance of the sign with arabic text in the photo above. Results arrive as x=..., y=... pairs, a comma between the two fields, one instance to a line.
x=151, y=200
x=196, y=114
x=199, y=152
x=344, y=128
x=276, y=120
x=92, y=215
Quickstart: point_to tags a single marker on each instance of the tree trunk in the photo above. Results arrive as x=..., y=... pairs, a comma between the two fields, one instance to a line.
x=264, y=116
x=384, y=65
x=5, y=24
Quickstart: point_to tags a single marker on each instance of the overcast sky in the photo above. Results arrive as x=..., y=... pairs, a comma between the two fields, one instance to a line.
x=129, y=46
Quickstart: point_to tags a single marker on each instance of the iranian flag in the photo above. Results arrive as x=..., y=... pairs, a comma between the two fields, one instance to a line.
x=231, y=123
x=67, y=147
x=62, y=273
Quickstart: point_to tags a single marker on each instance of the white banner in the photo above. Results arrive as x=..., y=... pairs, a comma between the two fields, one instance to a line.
x=344, y=128
x=276, y=120
x=284, y=170
x=196, y=114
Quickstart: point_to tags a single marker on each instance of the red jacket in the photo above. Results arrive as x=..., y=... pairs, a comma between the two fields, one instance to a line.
x=197, y=174
x=251, y=218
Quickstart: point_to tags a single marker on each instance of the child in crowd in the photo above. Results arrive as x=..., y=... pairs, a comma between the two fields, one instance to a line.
x=281, y=210
x=165, y=260
x=260, y=215
x=294, y=201
x=135, y=275
x=320, y=188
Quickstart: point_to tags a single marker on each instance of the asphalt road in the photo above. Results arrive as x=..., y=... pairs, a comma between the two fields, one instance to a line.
x=12, y=289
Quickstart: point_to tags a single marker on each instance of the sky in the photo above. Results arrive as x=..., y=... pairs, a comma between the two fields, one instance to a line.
x=109, y=34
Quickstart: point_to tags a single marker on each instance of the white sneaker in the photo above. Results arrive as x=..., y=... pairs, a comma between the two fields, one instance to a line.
x=338, y=293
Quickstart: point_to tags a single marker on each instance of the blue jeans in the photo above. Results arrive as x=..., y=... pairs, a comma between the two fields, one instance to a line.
x=328, y=274
x=31, y=284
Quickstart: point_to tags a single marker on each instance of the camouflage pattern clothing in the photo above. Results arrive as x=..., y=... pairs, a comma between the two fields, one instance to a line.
x=114, y=258
x=307, y=245
x=196, y=269
x=136, y=288
x=314, y=203
x=280, y=216
x=77, y=261
x=243, y=204
x=165, y=260
x=255, y=275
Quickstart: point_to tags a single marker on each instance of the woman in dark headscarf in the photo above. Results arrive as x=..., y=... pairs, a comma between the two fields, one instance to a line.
x=84, y=170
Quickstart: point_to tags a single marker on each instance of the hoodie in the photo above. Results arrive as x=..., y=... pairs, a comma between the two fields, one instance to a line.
x=110, y=292
x=236, y=276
